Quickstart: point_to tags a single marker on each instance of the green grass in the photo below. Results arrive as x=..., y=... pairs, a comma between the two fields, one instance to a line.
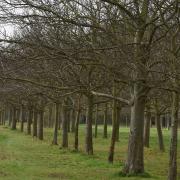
x=25, y=158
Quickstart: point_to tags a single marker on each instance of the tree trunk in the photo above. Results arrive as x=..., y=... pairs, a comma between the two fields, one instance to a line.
x=10, y=116
x=0, y=117
x=23, y=113
x=114, y=128
x=41, y=125
x=159, y=131
x=55, y=136
x=76, y=134
x=35, y=123
x=73, y=119
x=118, y=122
x=147, y=128
x=88, y=139
x=29, y=121
x=60, y=119
x=13, y=127
x=68, y=119
x=105, y=121
x=65, y=113
x=18, y=115
x=96, y=122
x=135, y=158
x=50, y=117
x=172, y=175
x=3, y=117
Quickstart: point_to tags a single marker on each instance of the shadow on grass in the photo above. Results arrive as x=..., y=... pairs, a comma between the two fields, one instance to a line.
x=138, y=175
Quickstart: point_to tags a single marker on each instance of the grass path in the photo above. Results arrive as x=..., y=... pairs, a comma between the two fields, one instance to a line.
x=25, y=158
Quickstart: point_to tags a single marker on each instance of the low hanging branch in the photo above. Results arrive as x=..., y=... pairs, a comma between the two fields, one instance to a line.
x=125, y=101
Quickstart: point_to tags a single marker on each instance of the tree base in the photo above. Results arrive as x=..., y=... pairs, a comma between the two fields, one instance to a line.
x=140, y=174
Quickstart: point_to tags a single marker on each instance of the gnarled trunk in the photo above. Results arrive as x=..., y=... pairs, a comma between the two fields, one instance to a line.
x=88, y=139
x=172, y=175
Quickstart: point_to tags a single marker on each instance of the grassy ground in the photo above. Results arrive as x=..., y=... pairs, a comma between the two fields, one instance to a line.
x=25, y=158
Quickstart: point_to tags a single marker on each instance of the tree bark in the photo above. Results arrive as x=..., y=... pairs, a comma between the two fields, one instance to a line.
x=135, y=158
x=23, y=111
x=40, y=125
x=65, y=113
x=172, y=175
x=10, y=116
x=114, y=128
x=73, y=119
x=76, y=134
x=159, y=131
x=50, y=117
x=18, y=111
x=29, y=121
x=55, y=136
x=13, y=124
x=147, y=128
x=68, y=119
x=35, y=131
x=96, y=122
x=88, y=139
x=105, y=121
x=118, y=122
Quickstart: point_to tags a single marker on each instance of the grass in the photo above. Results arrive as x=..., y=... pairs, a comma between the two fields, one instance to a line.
x=25, y=158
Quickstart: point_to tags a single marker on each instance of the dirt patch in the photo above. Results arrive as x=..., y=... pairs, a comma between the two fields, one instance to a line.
x=3, y=174
x=4, y=157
